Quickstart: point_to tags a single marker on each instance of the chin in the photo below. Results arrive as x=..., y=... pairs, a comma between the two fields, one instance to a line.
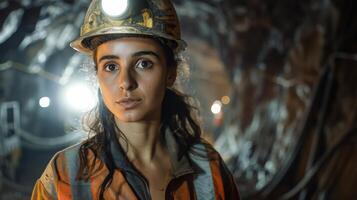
x=135, y=115
x=134, y=118
x=129, y=117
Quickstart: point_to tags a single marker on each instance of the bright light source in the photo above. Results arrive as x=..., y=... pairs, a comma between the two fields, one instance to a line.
x=80, y=97
x=216, y=107
x=44, y=102
x=225, y=99
x=114, y=8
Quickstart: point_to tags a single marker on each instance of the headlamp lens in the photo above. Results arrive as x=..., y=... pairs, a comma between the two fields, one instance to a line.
x=114, y=8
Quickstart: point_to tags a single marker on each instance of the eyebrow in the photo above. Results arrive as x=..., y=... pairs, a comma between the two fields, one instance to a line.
x=140, y=53
x=108, y=57
x=136, y=54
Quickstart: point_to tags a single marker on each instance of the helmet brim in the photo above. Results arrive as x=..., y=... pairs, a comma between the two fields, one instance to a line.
x=80, y=45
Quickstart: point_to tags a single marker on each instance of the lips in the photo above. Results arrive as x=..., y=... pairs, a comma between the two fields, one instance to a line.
x=128, y=103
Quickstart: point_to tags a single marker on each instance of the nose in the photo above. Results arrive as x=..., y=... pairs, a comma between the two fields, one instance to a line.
x=127, y=80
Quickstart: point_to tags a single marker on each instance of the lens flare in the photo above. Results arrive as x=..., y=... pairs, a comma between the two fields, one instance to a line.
x=216, y=107
x=44, y=102
x=225, y=100
x=80, y=97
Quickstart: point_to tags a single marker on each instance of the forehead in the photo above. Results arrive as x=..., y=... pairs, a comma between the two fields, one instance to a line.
x=128, y=45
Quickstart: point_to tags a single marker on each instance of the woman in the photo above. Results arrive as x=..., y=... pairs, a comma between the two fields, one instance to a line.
x=146, y=142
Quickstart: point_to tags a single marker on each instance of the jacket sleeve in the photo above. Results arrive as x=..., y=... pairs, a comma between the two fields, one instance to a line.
x=40, y=193
x=45, y=187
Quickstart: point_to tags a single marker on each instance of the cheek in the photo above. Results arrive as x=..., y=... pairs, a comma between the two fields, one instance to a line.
x=107, y=89
x=154, y=90
x=156, y=81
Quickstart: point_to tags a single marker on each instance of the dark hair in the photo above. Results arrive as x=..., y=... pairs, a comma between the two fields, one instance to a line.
x=178, y=114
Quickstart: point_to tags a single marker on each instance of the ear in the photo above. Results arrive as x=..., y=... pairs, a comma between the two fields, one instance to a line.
x=171, y=77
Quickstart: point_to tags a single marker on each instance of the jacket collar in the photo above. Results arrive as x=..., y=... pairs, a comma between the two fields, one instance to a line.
x=181, y=165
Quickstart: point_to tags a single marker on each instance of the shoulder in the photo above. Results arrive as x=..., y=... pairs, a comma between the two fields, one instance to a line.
x=57, y=167
x=205, y=150
x=64, y=162
x=69, y=155
x=224, y=182
x=55, y=173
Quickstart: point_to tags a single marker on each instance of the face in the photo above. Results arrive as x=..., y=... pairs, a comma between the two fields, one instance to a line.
x=133, y=75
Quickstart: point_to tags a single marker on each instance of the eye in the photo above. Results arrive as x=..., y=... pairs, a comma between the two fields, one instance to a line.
x=110, y=67
x=144, y=64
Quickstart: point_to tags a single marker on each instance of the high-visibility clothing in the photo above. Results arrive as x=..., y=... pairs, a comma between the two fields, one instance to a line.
x=194, y=177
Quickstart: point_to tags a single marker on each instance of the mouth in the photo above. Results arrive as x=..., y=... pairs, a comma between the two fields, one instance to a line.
x=128, y=103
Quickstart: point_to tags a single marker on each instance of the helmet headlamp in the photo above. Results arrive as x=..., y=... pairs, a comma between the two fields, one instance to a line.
x=114, y=8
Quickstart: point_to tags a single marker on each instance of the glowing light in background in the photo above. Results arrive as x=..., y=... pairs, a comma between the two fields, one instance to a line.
x=44, y=102
x=216, y=107
x=114, y=8
x=80, y=97
x=225, y=100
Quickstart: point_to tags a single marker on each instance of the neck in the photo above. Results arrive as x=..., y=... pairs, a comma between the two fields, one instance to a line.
x=142, y=141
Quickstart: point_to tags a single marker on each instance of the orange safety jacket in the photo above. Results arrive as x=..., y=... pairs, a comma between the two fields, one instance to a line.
x=194, y=178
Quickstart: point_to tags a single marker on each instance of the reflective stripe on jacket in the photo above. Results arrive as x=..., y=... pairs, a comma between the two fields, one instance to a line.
x=195, y=178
